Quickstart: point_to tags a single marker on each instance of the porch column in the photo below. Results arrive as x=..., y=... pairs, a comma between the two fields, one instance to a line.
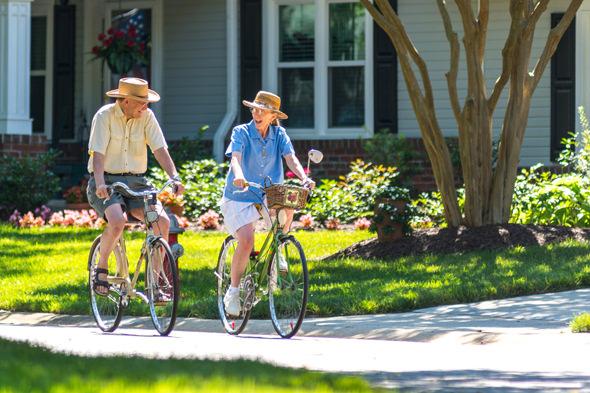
x=15, y=67
x=582, y=60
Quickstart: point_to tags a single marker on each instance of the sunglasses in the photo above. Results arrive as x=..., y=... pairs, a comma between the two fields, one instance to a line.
x=259, y=111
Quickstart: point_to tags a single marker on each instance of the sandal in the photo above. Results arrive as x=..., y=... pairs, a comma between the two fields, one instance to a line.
x=96, y=283
x=161, y=298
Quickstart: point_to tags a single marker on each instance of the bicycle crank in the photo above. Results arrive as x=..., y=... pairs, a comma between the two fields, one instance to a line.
x=249, y=293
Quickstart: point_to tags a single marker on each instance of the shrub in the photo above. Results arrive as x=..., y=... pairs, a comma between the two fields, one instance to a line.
x=203, y=180
x=580, y=323
x=26, y=182
x=392, y=150
x=544, y=198
x=353, y=195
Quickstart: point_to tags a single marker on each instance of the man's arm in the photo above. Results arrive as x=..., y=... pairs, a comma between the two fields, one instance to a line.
x=98, y=171
x=163, y=157
x=295, y=166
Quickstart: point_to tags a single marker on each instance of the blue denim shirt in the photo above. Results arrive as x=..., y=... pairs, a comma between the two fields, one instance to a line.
x=261, y=158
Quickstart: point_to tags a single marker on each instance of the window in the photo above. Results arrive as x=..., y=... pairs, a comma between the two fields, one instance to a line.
x=317, y=59
x=38, y=72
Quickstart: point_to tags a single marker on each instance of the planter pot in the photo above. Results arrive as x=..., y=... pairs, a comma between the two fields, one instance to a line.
x=78, y=206
x=388, y=230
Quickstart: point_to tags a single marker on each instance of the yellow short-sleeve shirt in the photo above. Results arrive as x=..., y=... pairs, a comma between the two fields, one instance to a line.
x=123, y=142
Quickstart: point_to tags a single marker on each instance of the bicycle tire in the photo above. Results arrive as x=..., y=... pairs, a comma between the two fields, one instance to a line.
x=106, y=310
x=162, y=291
x=231, y=324
x=288, y=290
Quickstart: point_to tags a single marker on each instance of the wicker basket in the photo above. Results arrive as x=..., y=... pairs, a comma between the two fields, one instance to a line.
x=285, y=196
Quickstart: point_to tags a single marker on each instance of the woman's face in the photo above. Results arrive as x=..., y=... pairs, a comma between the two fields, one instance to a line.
x=262, y=118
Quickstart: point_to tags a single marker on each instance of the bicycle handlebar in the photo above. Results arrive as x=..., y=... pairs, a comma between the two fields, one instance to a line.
x=136, y=194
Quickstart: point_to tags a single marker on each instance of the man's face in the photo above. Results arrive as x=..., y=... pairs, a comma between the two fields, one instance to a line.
x=134, y=109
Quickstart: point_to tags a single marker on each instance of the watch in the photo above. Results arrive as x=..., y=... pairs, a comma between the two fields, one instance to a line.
x=176, y=178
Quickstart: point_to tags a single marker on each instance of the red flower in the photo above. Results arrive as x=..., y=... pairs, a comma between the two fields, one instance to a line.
x=132, y=32
x=101, y=37
x=142, y=46
x=119, y=34
x=110, y=31
x=290, y=175
x=106, y=43
x=95, y=50
x=130, y=44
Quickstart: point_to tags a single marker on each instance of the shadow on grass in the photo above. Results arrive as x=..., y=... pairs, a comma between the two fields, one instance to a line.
x=35, y=369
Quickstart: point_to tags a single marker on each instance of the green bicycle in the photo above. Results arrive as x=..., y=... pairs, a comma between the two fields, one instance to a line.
x=267, y=274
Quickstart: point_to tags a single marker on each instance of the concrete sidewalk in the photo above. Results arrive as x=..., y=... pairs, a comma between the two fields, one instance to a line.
x=542, y=314
x=513, y=345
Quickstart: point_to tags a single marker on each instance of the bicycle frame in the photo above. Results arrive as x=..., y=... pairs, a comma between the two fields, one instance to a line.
x=122, y=276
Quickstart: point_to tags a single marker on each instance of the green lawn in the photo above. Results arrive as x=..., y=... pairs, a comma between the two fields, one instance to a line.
x=30, y=369
x=45, y=270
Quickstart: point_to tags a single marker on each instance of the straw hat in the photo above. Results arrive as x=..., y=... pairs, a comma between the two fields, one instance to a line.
x=134, y=88
x=269, y=101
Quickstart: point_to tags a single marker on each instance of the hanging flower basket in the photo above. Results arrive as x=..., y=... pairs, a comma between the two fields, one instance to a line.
x=121, y=50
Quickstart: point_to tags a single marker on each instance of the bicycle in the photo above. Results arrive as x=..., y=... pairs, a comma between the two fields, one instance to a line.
x=287, y=291
x=161, y=274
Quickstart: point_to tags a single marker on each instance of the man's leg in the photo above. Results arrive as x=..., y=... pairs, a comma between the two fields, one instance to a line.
x=115, y=224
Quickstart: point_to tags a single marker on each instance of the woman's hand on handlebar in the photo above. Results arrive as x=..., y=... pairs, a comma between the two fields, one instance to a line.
x=308, y=183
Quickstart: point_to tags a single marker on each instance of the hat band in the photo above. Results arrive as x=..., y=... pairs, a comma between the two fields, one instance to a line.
x=267, y=106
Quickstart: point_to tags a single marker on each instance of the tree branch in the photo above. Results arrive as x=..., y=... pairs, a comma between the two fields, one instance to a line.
x=482, y=24
x=455, y=49
x=552, y=42
x=516, y=27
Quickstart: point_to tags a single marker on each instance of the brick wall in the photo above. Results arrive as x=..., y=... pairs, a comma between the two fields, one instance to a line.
x=339, y=153
x=22, y=145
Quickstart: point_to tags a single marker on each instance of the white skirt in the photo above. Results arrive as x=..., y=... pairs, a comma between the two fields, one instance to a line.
x=237, y=214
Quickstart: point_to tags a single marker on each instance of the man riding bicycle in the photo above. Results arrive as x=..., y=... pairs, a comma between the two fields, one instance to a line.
x=119, y=137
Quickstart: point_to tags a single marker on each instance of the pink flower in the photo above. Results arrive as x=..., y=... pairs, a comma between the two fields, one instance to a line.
x=306, y=221
x=332, y=223
x=209, y=220
x=362, y=223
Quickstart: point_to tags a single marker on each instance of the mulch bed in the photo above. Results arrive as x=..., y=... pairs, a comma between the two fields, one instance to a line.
x=462, y=239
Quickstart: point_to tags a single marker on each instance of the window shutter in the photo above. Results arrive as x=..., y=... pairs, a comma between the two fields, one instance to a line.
x=251, y=52
x=563, y=87
x=63, y=72
x=385, y=79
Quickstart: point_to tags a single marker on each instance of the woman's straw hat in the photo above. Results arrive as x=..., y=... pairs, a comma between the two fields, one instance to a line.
x=134, y=88
x=269, y=101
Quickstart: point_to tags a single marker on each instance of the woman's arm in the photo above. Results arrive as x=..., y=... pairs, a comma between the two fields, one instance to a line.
x=236, y=167
x=295, y=166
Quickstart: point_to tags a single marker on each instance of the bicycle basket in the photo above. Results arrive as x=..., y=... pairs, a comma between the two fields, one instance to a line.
x=286, y=196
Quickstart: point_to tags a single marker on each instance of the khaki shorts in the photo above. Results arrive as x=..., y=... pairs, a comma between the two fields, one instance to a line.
x=136, y=183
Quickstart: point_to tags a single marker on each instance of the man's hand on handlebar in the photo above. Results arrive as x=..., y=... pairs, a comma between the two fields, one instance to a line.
x=102, y=191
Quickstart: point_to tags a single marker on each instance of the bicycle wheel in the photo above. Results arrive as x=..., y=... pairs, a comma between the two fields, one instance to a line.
x=287, y=294
x=162, y=288
x=107, y=310
x=231, y=323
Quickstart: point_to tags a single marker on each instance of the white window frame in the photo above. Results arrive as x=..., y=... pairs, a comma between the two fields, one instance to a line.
x=45, y=8
x=156, y=45
x=271, y=65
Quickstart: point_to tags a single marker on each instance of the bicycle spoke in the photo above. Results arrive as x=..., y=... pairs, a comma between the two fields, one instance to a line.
x=288, y=297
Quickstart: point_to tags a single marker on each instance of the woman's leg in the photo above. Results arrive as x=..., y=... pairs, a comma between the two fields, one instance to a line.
x=245, y=237
x=289, y=213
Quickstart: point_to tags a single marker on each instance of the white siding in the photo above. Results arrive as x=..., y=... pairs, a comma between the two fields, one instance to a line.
x=423, y=23
x=194, y=61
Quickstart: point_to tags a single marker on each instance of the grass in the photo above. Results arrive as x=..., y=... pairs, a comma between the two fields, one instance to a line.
x=25, y=368
x=45, y=270
x=581, y=323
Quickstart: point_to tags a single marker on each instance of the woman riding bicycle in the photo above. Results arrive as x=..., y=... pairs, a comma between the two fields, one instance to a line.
x=256, y=149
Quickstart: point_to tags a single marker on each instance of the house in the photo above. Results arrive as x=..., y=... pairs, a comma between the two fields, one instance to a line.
x=335, y=70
